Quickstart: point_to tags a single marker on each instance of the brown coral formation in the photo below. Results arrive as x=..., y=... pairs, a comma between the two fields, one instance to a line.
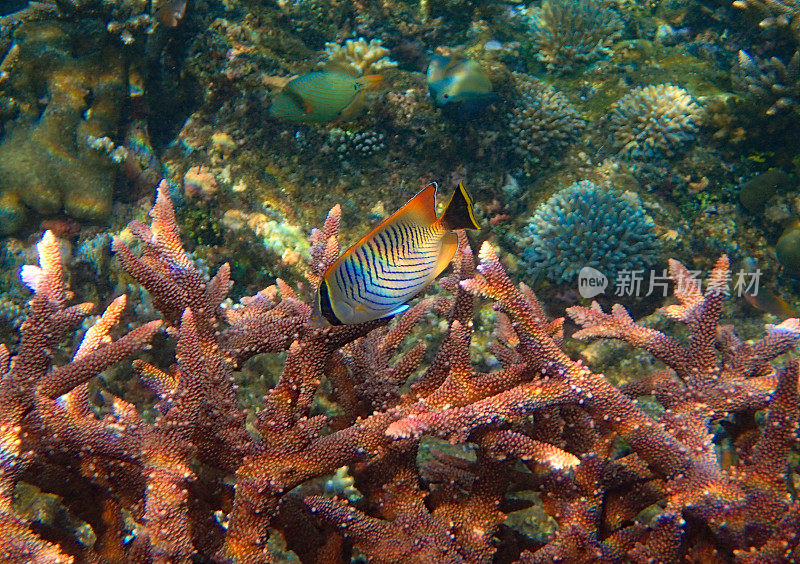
x=542, y=123
x=57, y=157
x=203, y=481
x=773, y=83
x=653, y=121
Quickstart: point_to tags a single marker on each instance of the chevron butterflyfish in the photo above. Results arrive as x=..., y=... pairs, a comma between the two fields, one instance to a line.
x=394, y=262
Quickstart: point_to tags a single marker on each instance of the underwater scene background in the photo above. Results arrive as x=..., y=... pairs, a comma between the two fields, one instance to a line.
x=607, y=370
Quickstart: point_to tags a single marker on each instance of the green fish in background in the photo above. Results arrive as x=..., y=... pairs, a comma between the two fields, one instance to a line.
x=322, y=96
x=459, y=85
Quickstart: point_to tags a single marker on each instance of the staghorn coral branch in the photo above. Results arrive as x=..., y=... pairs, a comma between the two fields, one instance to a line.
x=198, y=483
x=620, y=325
x=593, y=392
x=703, y=325
x=34, y=429
x=457, y=422
x=492, y=282
x=768, y=462
x=20, y=546
x=525, y=448
x=64, y=378
x=324, y=246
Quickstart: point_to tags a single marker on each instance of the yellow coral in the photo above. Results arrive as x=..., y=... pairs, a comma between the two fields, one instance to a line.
x=358, y=55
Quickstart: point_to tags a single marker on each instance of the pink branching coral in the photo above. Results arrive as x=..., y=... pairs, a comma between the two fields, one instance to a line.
x=203, y=482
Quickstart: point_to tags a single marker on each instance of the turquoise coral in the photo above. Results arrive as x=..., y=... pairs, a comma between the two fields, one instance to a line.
x=586, y=225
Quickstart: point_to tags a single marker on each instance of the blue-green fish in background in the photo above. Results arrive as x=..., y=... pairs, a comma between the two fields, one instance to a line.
x=394, y=262
x=459, y=85
x=322, y=96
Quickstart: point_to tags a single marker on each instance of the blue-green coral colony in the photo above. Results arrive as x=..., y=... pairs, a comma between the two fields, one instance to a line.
x=587, y=225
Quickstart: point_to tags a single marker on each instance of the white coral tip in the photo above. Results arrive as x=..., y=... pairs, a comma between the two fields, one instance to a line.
x=31, y=275
x=791, y=325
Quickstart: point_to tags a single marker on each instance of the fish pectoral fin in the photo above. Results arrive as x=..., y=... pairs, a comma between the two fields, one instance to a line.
x=447, y=252
x=371, y=80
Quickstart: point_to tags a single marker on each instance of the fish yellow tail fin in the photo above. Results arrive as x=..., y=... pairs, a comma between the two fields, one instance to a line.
x=458, y=213
x=371, y=80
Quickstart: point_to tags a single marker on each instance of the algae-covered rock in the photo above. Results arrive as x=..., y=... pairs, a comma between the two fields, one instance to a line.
x=755, y=192
x=788, y=250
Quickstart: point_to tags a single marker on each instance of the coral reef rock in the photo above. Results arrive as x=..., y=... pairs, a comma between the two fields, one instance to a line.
x=62, y=157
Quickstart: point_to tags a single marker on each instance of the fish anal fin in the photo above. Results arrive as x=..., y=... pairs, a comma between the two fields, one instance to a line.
x=447, y=252
x=353, y=108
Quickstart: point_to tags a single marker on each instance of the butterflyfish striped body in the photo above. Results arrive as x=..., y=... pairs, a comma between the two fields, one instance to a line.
x=394, y=262
x=322, y=96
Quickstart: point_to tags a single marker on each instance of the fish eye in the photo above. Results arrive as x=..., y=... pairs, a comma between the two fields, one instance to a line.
x=447, y=95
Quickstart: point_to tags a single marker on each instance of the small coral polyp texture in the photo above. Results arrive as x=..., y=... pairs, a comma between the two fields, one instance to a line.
x=655, y=121
x=542, y=123
x=587, y=225
x=566, y=32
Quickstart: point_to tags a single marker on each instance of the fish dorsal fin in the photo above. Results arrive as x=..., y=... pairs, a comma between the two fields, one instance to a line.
x=458, y=214
x=420, y=209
